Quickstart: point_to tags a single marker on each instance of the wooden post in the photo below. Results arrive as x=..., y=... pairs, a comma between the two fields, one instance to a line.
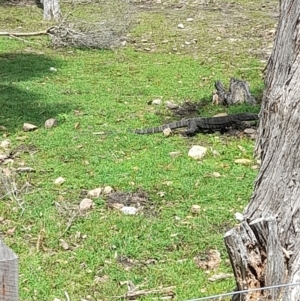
x=8, y=274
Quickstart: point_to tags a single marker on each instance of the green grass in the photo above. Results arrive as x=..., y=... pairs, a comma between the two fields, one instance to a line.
x=95, y=91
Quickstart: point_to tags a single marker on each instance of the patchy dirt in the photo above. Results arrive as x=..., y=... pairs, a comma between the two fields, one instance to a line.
x=189, y=109
x=140, y=200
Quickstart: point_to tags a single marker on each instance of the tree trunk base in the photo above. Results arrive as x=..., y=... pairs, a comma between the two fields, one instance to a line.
x=257, y=258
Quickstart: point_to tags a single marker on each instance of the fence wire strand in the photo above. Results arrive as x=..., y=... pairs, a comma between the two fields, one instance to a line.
x=243, y=291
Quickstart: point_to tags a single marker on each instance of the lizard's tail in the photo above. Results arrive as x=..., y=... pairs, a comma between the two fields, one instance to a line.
x=158, y=129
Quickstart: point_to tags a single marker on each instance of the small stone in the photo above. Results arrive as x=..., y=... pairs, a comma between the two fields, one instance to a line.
x=171, y=105
x=239, y=216
x=29, y=127
x=216, y=174
x=189, y=19
x=156, y=101
x=215, y=153
x=107, y=190
x=180, y=26
x=59, y=181
x=5, y=143
x=94, y=193
x=167, y=132
x=86, y=204
x=52, y=69
x=50, y=123
x=128, y=210
x=195, y=209
x=64, y=244
x=250, y=131
x=197, y=152
x=187, y=43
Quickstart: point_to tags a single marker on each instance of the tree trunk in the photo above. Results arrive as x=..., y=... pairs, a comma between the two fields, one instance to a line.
x=264, y=249
x=51, y=9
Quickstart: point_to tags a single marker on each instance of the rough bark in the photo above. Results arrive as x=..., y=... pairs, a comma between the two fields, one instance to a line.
x=51, y=9
x=264, y=250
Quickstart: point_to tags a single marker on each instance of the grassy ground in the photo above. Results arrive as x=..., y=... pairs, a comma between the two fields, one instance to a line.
x=94, y=91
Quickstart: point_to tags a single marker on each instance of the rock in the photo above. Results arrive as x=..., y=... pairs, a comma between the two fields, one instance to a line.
x=171, y=105
x=52, y=69
x=167, y=132
x=94, y=193
x=189, y=19
x=197, y=152
x=180, y=26
x=128, y=210
x=5, y=143
x=156, y=101
x=239, y=216
x=216, y=174
x=86, y=204
x=50, y=123
x=215, y=153
x=107, y=190
x=59, y=181
x=250, y=131
x=195, y=209
x=29, y=127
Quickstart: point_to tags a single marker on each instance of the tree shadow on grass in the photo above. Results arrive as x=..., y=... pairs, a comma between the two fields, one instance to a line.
x=19, y=104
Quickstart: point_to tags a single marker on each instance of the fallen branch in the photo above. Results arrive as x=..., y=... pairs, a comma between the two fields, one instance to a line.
x=25, y=34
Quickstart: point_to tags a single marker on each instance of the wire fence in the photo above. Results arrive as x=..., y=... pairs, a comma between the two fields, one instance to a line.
x=230, y=294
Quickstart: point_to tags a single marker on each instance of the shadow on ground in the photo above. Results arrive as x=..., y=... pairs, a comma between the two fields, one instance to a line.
x=18, y=104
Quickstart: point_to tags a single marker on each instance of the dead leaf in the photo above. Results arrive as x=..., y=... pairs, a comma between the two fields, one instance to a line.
x=220, y=276
x=11, y=231
x=64, y=244
x=25, y=169
x=77, y=125
x=102, y=279
x=212, y=262
x=241, y=148
x=243, y=161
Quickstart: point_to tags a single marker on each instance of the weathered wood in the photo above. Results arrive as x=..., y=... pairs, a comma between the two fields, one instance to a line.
x=24, y=34
x=51, y=9
x=8, y=274
x=256, y=257
x=239, y=92
x=273, y=214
